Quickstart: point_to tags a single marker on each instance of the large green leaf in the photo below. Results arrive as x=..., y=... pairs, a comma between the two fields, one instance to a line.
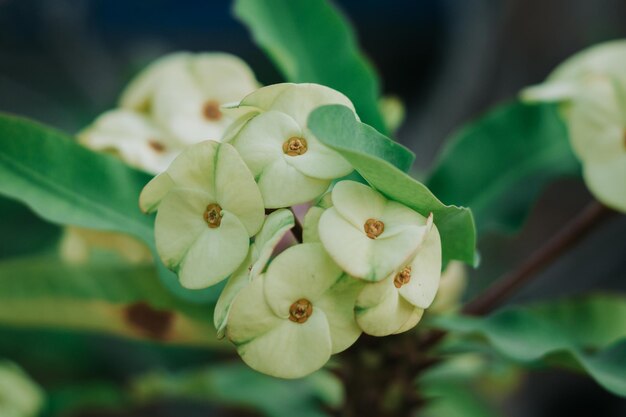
x=588, y=332
x=116, y=299
x=498, y=165
x=310, y=41
x=337, y=128
x=65, y=183
x=238, y=385
x=23, y=232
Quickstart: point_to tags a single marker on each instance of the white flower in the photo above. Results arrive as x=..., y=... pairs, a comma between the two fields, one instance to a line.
x=592, y=89
x=368, y=235
x=396, y=304
x=133, y=137
x=208, y=208
x=19, y=395
x=289, y=163
x=288, y=322
x=182, y=93
x=451, y=288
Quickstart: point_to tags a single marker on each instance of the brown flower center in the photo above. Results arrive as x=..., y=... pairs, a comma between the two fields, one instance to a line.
x=373, y=228
x=403, y=277
x=295, y=146
x=213, y=215
x=211, y=111
x=300, y=311
x=156, y=146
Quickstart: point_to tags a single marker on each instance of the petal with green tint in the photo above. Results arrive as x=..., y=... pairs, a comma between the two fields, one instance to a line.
x=357, y=202
x=155, y=191
x=260, y=141
x=421, y=289
x=299, y=100
x=301, y=271
x=264, y=98
x=319, y=161
x=282, y=185
x=380, y=311
x=235, y=189
x=415, y=318
x=311, y=222
x=291, y=350
x=236, y=282
x=276, y=225
x=362, y=257
x=250, y=316
x=607, y=181
x=215, y=255
x=338, y=305
x=179, y=223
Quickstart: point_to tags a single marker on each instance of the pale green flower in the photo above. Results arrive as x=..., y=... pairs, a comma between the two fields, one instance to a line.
x=132, y=137
x=208, y=208
x=288, y=322
x=182, y=93
x=396, y=304
x=289, y=163
x=452, y=285
x=20, y=396
x=276, y=225
x=591, y=87
x=368, y=235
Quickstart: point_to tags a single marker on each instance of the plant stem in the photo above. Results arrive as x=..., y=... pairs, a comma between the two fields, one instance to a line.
x=573, y=232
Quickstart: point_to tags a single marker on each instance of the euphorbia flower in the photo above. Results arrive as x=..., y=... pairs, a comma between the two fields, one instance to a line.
x=289, y=163
x=133, y=137
x=276, y=225
x=208, y=208
x=288, y=322
x=396, y=304
x=591, y=87
x=368, y=235
x=182, y=93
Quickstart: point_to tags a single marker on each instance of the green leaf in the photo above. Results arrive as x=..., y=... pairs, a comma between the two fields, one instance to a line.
x=454, y=400
x=238, y=385
x=115, y=299
x=23, y=232
x=310, y=41
x=65, y=183
x=336, y=127
x=498, y=165
x=587, y=331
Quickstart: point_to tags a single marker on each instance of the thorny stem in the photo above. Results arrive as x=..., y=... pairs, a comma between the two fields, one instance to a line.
x=366, y=386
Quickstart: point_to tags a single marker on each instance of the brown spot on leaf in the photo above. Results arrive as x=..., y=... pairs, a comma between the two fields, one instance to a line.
x=150, y=322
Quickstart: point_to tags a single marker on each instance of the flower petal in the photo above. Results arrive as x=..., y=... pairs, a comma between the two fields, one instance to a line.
x=357, y=202
x=235, y=189
x=301, y=271
x=223, y=77
x=260, y=141
x=421, y=289
x=299, y=100
x=216, y=254
x=338, y=305
x=237, y=281
x=276, y=225
x=290, y=350
x=415, y=318
x=380, y=311
x=310, y=232
x=607, y=181
x=319, y=161
x=264, y=97
x=282, y=185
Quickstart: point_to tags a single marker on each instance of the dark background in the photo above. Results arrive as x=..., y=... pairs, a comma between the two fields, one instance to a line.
x=65, y=61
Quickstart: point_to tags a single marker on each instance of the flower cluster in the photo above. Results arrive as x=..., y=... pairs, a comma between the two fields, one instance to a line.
x=591, y=87
x=175, y=102
x=365, y=263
